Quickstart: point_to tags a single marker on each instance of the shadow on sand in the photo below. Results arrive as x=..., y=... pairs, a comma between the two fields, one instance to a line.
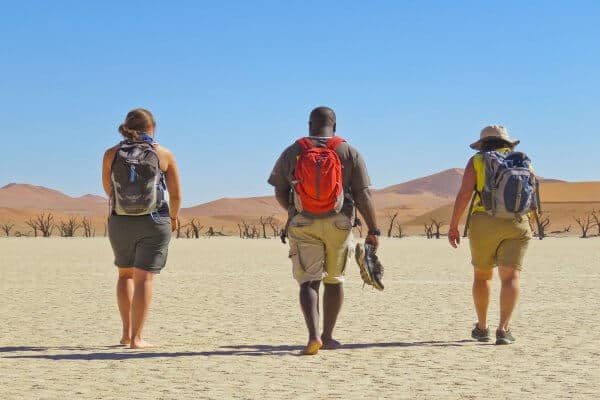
x=237, y=350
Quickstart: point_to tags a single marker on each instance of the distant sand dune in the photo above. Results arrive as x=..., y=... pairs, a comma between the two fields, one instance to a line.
x=415, y=201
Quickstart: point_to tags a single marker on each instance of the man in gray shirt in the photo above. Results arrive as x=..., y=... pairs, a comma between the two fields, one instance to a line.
x=321, y=245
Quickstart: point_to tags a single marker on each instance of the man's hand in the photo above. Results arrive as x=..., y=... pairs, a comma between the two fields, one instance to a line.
x=173, y=224
x=454, y=237
x=373, y=240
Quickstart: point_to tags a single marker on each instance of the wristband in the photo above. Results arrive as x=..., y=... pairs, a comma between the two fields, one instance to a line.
x=374, y=232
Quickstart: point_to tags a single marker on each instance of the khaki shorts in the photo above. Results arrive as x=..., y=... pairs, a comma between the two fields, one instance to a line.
x=320, y=248
x=498, y=241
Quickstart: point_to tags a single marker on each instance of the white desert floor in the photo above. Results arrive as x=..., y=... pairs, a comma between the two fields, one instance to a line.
x=227, y=318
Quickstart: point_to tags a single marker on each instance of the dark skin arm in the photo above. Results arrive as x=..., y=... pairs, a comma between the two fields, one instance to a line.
x=282, y=194
x=366, y=207
x=462, y=202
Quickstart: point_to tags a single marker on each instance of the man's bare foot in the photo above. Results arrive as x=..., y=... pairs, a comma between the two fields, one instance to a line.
x=312, y=347
x=140, y=344
x=125, y=340
x=331, y=344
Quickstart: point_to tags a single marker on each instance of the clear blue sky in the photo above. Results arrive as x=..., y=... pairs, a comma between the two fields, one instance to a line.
x=231, y=84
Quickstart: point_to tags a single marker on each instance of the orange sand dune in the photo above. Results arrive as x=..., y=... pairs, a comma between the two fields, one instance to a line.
x=16, y=195
x=415, y=201
x=570, y=192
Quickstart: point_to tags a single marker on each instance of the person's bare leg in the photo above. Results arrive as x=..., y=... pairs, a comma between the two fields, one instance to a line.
x=509, y=294
x=309, y=302
x=333, y=298
x=482, y=283
x=124, y=298
x=142, y=297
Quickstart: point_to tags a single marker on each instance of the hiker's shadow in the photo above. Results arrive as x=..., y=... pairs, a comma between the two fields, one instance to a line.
x=265, y=349
x=252, y=350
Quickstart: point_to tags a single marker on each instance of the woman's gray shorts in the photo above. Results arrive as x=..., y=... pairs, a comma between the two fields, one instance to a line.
x=141, y=241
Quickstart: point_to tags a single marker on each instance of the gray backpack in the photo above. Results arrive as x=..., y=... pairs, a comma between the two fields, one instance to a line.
x=510, y=188
x=138, y=182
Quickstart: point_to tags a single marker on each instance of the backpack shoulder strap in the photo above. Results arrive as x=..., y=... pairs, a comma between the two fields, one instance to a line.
x=334, y=142
x=305, y=144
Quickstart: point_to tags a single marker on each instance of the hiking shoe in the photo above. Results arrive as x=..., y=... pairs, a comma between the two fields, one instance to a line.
x=504, y=337
x=481, y=335
x=371, y=270
x=376, y=267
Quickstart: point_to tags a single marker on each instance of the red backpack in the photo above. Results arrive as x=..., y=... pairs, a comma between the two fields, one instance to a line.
x=318, y=187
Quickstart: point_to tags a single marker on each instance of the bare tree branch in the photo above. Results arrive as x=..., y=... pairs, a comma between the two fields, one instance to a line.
x=391, y=217
x=69, y=227
x=437, y=224
x=7, y=227
x=584, y=223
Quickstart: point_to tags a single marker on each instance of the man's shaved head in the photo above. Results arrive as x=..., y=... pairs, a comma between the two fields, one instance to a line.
x=322, y=122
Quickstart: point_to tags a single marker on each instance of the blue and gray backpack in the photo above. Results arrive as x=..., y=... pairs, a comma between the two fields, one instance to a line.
x=510, y=188
x=138, y=183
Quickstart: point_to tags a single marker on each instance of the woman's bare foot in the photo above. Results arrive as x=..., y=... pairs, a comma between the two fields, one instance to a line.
x=140, y=344
x=125, y=340
x=331, y=344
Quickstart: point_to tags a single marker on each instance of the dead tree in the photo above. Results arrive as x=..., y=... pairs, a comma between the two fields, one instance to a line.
x=585, y=224
x=399, y=231
x=32, y=223
x=179, y=229
x=88, y=227
x=69, y=227
x=428, y=230
x=188, y=231
x=196, y=227
x=391, y=217
x=211, y=232
x=565, y=229
x=247, y=231
x=596, y=221
x=275, y=226
x=437, y=224
x=7, y=227
x=254, y=233
x=264, y=221
x=42, y=222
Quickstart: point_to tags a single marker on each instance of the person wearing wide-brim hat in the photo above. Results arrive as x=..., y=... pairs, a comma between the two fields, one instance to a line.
x=493, y=137
x=494, y=241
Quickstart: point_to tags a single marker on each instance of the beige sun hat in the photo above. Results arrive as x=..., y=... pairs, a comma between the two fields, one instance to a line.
x=493, y=132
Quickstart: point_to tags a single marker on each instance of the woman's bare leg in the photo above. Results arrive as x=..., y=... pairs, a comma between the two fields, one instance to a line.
x=142, y=297
x=482, y=283
x=509, y=294
x=124, y=298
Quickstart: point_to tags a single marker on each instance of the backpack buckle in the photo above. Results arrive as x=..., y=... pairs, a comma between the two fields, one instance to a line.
x=155, y=216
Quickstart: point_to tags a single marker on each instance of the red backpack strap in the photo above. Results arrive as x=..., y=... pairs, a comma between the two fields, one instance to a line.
x=305, y=144
x=334, y=142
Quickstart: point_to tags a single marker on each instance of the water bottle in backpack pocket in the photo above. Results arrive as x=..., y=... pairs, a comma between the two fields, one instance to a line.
x=509, y=190
x=138, y=183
